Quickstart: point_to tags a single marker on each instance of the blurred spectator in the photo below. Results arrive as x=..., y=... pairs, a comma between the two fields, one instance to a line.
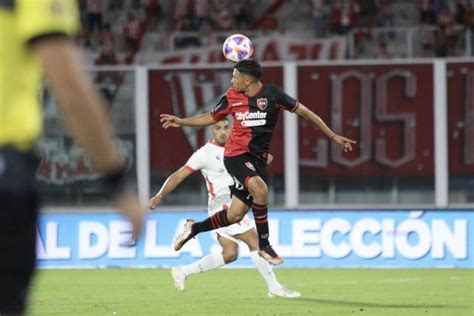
x=107, y=57
x=201, y=12
x=349, y=11
x=367, y=12
x=438, y=7
x=445, y=17
x=180, y=10
x=383, y=52
x=243, y=14
x=107, y=38
x=187, y=41
x=225, y=20
x=427, y=42
x=321, y=13
x=386, y=15
x=425, y=8
x=459, y=11
x=94, y=15
x=441, y=49
x=154, y=10
x=131, y=31
x=360, y=42
x=469, y=18
x=343, y=16
x=207, y=36
x=336, y=16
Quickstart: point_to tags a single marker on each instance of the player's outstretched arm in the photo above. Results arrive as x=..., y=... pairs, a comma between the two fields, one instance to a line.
x=317, y=122
x=168, y=120
x=84, y=111
x=170, y=184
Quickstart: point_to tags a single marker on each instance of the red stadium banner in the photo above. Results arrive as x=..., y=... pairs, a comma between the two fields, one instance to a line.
x=388, y=109
x=187, y=92
x=461, y=118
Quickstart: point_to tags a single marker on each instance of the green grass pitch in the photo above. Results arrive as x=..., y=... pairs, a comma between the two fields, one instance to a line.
x=243, y=292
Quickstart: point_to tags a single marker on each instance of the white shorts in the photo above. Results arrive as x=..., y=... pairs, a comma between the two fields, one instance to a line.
x=241, y=227
x=230, y=231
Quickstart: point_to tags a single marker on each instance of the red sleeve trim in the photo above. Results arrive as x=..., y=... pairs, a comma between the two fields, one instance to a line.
x=281, y=107
x=214, y=116
x=189, y=168
x=295, y=107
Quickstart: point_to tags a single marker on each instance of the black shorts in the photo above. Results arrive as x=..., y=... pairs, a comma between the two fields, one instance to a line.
x=18, y=217
x=242, y=168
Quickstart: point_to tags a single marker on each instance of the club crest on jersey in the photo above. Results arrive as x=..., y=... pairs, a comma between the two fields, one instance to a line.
x=262, y=103
x=250, y=166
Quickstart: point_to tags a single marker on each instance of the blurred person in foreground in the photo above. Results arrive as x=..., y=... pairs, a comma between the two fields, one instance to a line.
x=35, y=41
x=255, y=108
x=209, y=159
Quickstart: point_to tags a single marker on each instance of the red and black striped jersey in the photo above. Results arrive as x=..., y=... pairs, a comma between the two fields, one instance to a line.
x=254, y=118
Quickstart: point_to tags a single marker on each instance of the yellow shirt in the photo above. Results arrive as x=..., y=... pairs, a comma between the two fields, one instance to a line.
x=23, y=22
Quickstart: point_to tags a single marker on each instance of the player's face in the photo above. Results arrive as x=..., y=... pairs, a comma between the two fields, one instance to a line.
x=220, y=132
x=239, y=81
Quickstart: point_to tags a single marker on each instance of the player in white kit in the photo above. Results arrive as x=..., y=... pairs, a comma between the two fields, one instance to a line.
x=209, y=159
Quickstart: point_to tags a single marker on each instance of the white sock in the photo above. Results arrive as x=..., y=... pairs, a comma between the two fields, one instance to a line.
x=265, y=270
x=209, y=262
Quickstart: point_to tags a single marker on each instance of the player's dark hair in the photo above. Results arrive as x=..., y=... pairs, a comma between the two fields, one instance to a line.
x=249, y=67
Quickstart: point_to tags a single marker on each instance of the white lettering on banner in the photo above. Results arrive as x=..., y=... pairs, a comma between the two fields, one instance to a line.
x=328, y=230
x=388, y=237
x=48, y=245
x=283, y=250
x=306, y=238
x=40, y=251
x=413, y=250
x=411, y=239
x=367, y=238
x=152, y=248
x=406, y=119
x=455, y=240
x=120, y=235
x=89, y=230
x=359, y=230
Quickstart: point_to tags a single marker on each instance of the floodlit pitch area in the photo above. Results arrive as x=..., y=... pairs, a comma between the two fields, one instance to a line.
x=242, y=292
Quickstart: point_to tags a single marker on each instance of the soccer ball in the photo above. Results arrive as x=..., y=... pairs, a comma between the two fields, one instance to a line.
x=237, y=47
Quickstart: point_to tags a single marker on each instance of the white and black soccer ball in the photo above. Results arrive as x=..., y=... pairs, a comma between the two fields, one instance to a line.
x=237, y=47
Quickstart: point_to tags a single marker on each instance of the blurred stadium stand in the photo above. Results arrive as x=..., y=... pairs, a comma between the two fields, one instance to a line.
x=374, y=28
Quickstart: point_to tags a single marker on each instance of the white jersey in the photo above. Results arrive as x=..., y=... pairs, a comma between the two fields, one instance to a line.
x=210, y=160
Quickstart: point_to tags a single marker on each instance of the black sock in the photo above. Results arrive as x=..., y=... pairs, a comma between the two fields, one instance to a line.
x=217, y=220
x=260, y=215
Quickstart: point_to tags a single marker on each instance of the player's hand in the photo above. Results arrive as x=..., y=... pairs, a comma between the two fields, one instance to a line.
x=269, y=159
x=129, y=205
x=154, y=202
x=344, y=142
x=170, y=121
